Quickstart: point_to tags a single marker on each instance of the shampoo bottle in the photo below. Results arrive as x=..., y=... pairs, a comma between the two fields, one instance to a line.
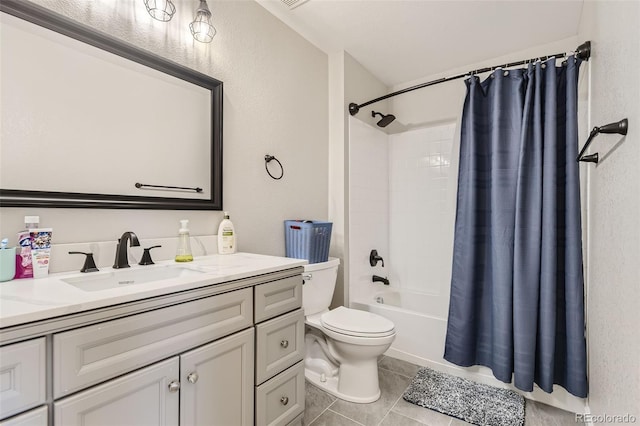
x=183, y=254
x=226, y=236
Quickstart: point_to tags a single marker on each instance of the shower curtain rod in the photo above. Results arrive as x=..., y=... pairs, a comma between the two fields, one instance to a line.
x=583, y=52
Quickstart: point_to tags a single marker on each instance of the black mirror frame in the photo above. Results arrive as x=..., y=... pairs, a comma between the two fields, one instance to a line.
x=60, y=24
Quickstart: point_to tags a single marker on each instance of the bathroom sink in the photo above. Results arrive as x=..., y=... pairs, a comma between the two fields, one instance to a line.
x=129, y=277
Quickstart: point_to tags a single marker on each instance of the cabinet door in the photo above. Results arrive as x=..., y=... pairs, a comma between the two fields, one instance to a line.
x=143, y=397
x=35, y=417
x=217, y=383
x=22, y=376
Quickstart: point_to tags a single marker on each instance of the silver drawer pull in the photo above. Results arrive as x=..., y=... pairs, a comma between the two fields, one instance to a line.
x=192, y=377
x=284, y=344
x=284, y=400
x=174, y=386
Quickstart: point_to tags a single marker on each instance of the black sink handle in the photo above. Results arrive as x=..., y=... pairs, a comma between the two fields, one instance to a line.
x=146, y=256
x=89, y=263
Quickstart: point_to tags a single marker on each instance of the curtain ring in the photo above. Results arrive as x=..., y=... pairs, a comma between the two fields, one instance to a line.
x=267, y=159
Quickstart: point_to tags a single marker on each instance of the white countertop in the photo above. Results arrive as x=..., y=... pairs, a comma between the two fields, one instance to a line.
x=27, y=300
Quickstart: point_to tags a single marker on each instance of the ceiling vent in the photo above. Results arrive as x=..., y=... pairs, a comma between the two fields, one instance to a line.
x=292, y=4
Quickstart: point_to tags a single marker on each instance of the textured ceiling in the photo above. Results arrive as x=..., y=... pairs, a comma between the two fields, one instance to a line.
x=400, y=41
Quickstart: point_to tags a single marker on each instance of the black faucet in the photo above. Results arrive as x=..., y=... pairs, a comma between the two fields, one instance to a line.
x=382, y=280
x=374, y=258
x=122, y=260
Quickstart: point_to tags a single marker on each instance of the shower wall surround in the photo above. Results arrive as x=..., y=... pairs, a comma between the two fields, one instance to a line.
x=422, y=183
x=402, y=203
x=368, y=207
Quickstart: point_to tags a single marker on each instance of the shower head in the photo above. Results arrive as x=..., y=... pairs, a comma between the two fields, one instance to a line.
x=385, y=120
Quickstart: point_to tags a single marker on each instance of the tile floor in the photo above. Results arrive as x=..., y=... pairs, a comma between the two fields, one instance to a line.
x=395, y=375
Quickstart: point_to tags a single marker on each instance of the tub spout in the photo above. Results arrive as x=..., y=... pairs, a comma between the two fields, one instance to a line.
x=376, y=278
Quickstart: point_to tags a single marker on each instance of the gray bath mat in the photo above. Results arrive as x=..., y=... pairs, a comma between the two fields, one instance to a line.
x=472, y=402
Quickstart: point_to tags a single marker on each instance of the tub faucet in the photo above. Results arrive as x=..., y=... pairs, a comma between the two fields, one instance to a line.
x=122, y=260
x=384, y=281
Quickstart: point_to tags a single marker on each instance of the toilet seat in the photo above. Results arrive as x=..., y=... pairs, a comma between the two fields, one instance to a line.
x=356, y=323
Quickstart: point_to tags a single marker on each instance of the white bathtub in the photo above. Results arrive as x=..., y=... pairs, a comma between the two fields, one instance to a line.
x=420, y=320
x=421, y=327
x=418, y=303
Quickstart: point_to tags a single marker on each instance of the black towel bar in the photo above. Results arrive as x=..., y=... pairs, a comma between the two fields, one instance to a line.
x=621, y=127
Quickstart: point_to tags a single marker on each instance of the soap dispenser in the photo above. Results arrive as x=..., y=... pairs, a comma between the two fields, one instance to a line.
x=184, y=245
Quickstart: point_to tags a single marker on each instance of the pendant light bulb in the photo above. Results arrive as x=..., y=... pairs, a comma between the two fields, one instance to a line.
x=162, y=10
x=201, y=27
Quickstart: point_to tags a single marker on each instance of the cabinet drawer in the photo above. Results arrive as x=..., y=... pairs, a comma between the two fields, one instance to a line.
x=279, y=344
x=277, y=297
x=92, y=354
x=281, y=399
x=22, y=376
x=35, y=417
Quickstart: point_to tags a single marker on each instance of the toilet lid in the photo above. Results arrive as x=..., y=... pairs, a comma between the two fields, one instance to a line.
x=354, y=322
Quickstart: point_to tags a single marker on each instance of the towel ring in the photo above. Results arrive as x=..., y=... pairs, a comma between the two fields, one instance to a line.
x=267, y=159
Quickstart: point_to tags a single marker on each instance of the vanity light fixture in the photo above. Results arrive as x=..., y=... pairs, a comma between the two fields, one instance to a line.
x=201, y=27
x=162, y=10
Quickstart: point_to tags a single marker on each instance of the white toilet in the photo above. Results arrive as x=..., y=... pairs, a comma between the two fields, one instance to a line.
x=342, y=344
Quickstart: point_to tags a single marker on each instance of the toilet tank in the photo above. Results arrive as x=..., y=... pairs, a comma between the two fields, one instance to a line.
x=319, y=283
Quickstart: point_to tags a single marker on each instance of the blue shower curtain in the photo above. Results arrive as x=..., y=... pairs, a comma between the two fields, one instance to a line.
x=517, y=288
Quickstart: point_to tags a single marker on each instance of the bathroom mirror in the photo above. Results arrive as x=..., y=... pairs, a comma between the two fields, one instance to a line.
x=93, y=122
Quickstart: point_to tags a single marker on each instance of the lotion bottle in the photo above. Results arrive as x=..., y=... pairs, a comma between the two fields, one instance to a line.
x=183, y=254
x=226, y=236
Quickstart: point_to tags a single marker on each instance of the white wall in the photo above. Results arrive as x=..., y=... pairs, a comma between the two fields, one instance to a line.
x=614, y=208
x=275, y=101
x=361, y=86
x=338, y=172
x=349, y=82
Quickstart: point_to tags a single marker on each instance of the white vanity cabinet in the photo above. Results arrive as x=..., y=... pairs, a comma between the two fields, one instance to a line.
x=186, y=358
x=210, y=385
